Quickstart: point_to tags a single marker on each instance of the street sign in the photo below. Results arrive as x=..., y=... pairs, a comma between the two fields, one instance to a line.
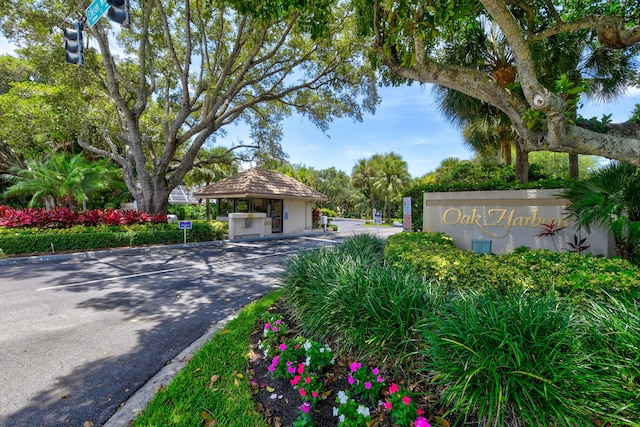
x=184, y=225
x=96, y=9
x=377, y=218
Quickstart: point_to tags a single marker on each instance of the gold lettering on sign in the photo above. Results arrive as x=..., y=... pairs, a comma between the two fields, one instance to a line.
x=499, y=221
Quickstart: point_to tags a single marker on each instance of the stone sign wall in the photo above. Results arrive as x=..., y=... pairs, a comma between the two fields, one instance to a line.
x=507, y=219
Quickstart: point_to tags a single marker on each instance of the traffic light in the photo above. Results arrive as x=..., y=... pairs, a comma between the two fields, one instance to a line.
x=119, y=12
x=73, y=44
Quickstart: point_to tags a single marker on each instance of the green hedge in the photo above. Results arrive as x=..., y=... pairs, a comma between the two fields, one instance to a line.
x=538, y=271
x=28, y=241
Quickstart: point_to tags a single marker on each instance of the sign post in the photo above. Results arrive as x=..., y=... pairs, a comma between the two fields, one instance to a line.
x=184, y=225
x=406, y=213
x=377, y=220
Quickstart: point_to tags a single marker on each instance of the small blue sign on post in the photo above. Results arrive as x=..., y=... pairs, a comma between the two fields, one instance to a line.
x=95, y=11
x=184, y=225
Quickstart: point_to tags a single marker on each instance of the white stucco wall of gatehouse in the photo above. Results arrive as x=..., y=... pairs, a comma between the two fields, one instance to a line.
x=508, y=219
x=296, y=216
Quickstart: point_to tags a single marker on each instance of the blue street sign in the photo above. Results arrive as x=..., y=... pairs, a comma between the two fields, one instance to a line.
x=96, y=9
x=184, y=225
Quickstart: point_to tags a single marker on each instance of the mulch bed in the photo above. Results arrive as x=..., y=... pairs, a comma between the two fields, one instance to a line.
x=279, y=402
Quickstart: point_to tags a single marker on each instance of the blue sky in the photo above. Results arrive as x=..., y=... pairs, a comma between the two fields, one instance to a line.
x=406, y=122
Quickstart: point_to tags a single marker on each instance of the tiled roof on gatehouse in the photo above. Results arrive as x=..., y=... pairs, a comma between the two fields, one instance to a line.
x=258, y=183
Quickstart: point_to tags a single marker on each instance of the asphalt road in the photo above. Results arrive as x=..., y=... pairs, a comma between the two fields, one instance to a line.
x=79, y=336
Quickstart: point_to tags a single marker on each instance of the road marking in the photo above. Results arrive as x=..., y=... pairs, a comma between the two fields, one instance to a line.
x=171, y=270
x=320, y=240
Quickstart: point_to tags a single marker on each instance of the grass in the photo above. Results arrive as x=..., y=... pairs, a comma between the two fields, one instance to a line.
x=212, y=387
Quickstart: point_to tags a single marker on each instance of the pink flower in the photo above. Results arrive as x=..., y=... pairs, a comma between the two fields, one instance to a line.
x=291, y=370
x=307, y=380
x=406, y=400
x=393, y=388
x=419, y=411
x=314, y=394
x=421, y=422
x=355, y=366
x=267, y=326
x=297, y=346
x=367, y=385
x=275, y=329
x=387, y=405
x=379, y=379
x=303, y=392
x=277, y=322
x=351, y=380
x=300, y=368
x=375, y=371
x=283, y=347
x=272, y=368
x=295, y=380
x=305, y=407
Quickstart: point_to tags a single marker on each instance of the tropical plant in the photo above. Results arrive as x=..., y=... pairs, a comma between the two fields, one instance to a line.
x=362, y=178
x=610, y=197
x=390, y=179
x=62, y=180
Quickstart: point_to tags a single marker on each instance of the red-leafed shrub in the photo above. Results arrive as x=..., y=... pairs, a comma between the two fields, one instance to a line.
x=131, y=216
x=66, y=218
x=111, y=217
x=63, y=218
x=90, y=218
x=158, y=218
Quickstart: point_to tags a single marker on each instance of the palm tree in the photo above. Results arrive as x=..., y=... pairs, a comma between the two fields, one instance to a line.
x=486, y=129
x=609, y=196
x=362, y=177
x=62, y=180
x=211, y=166
x=391, y=178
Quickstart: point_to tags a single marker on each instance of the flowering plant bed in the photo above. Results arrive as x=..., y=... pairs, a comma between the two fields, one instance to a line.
x=297, y=382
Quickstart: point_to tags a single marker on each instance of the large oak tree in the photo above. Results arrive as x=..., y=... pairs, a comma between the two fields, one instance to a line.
x=186, y=69
x=409, y=35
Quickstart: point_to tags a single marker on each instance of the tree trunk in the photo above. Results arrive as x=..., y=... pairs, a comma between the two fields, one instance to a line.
x=522, y=164
x=573, y=166
x=506, y=148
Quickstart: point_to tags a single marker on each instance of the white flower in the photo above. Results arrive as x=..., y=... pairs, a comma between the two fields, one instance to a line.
x=342, y=397
x=335, y=412
x=363, y=410
x=307, y=345
x=260, y=345
x=273, y=396
x=321, y=349
x=266, y=353
x=306, y=362
x=341, y=418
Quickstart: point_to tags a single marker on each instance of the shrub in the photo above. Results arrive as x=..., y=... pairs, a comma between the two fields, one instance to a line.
x=66, y=218
x=34, y=240
x=537, y=271
x=509, y=357
x=345, y=296
x=328, y=212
